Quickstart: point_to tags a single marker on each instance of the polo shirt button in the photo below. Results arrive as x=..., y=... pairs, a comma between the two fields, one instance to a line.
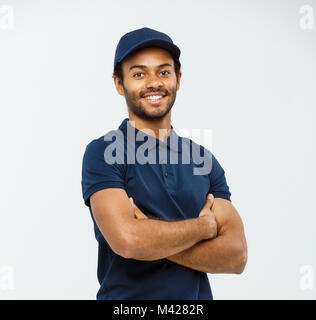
x=166, y=174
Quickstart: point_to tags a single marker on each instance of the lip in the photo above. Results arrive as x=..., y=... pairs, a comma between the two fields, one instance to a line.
x=154, y=102
x=154, y=94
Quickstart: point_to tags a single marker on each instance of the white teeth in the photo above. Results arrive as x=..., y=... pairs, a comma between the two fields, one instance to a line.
x=153, y=97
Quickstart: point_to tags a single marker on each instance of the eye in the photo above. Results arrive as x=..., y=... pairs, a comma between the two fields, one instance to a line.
x=163, y=72
x=137, y=74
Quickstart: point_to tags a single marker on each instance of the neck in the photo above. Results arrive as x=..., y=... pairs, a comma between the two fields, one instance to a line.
x=156, y=127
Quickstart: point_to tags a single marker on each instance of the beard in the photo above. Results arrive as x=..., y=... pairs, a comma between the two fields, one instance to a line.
x=135, y=104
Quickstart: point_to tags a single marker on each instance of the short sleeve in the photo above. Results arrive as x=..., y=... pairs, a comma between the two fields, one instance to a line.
x=97, y=174
x=218, y=184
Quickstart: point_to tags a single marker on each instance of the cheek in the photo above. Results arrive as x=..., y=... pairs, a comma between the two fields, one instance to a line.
x=172, y=85
x=138, y=90
x=133, y=92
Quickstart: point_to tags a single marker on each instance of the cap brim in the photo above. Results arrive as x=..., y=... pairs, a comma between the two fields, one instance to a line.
x=171, y=48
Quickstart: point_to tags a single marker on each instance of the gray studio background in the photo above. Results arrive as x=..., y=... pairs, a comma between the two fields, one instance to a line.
x=249, y=75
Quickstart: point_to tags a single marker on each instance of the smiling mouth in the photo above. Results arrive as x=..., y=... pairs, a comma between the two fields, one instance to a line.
x=154, y=99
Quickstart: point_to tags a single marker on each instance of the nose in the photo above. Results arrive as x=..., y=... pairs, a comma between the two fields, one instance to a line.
x=153, y=81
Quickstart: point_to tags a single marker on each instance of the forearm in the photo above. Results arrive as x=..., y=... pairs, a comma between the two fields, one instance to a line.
x=223, y=254
x=156, y=239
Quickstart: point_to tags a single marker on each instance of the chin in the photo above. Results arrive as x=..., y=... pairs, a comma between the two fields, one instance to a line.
x=160, y=115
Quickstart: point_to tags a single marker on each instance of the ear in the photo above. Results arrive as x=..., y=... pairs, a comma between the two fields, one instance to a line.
x=178, y=80
x=118, y=85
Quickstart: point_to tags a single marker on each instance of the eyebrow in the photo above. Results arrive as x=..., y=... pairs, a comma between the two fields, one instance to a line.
x=145, y=67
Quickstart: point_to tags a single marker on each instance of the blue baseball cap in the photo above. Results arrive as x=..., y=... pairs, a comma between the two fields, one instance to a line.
x=144, y=38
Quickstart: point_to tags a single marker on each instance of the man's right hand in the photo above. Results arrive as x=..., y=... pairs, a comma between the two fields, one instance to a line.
x=209, y=218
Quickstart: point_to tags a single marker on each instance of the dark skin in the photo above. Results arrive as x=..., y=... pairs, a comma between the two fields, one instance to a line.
x=226, y=253
x=154, y=74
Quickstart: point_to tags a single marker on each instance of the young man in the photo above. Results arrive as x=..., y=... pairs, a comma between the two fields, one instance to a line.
x=161, y=222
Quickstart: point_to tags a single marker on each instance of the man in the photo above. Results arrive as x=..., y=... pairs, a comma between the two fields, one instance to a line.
x=161, y=225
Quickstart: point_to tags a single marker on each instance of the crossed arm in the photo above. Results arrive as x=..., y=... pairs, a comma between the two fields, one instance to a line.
x=227, y=252
x=187, y=242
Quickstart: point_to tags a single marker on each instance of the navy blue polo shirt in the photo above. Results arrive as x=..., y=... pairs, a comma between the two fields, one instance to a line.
x=166, y=182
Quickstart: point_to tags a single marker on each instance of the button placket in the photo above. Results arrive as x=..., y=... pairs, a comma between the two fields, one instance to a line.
x=163, y=162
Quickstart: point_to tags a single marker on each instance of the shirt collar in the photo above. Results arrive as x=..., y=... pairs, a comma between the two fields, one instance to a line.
x=174, y=146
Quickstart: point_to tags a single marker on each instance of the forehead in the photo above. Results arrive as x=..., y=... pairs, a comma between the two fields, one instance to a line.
x=149, y=57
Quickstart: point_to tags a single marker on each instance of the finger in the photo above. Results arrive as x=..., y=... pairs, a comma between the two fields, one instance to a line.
x=209, y=200
x=140, y=215
x=132, y=201
x=210, y=196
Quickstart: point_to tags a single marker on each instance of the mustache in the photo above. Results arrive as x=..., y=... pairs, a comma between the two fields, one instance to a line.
x=164, y=91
